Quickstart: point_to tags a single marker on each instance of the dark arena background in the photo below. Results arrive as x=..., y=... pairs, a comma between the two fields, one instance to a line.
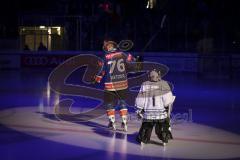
x=49, y=109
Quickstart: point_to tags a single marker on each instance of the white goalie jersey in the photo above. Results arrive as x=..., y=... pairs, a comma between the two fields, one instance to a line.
x=153, y=97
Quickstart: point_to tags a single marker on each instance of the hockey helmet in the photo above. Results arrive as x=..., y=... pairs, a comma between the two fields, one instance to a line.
x=155, y=75
x=109, y=46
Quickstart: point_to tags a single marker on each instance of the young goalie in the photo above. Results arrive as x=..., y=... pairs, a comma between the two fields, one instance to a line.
x=154, y=103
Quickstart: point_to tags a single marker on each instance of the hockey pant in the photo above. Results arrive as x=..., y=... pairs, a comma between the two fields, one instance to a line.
x=113, y=98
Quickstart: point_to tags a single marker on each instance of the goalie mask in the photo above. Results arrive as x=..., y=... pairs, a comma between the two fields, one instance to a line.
x=155, y=75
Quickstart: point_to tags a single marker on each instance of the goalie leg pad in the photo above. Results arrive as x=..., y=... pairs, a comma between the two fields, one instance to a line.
x=145, y=132
x=162, y=131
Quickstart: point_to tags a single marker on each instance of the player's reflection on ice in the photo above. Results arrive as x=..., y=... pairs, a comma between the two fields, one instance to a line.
x=121, y=145
x=47, y=100
x=124, y=147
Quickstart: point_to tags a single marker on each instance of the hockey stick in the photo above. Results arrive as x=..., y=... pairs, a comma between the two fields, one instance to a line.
x=154, y=35
x=141, y=54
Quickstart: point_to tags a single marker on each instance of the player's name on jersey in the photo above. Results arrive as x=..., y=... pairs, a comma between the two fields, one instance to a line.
x=119, y=76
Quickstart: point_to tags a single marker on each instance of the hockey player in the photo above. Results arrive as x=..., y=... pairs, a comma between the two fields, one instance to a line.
x=153, y=104
x=113, y=69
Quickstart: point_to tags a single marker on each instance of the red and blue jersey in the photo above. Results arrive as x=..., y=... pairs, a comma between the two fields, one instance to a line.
x=113, y=69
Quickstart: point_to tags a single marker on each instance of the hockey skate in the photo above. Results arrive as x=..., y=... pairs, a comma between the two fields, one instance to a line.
x=112, y=125
x=164, y=144
x=124, y=126
x=124, y=123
